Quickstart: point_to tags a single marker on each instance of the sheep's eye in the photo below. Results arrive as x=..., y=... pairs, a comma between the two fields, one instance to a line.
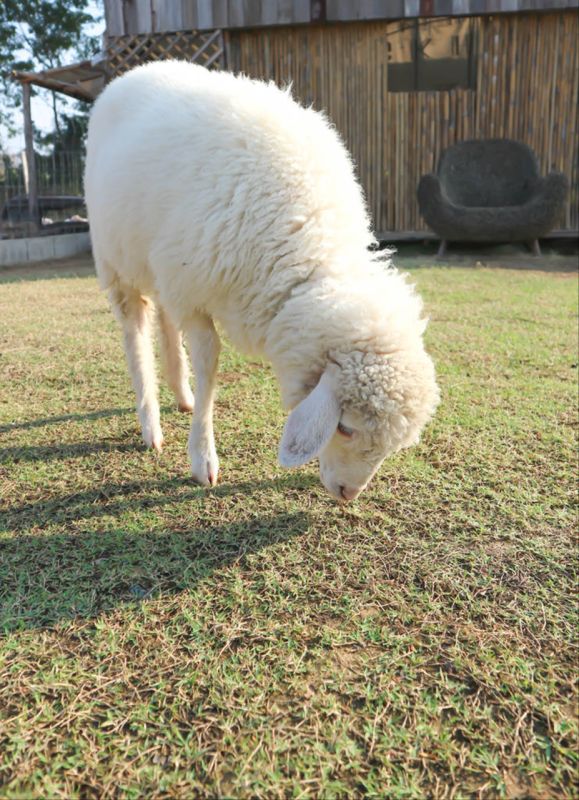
x=347, y=432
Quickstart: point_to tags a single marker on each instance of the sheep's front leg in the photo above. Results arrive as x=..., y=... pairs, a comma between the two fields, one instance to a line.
x=204, y=347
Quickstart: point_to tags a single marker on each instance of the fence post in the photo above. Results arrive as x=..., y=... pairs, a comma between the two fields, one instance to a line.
x=32, y=187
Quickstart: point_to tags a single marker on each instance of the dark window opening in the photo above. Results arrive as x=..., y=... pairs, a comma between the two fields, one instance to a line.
x=432, y=55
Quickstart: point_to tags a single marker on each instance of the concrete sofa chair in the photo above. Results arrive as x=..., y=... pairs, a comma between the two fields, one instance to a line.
x=490, y=190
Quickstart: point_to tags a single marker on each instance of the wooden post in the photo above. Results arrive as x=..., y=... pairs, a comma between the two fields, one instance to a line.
x=30, y=160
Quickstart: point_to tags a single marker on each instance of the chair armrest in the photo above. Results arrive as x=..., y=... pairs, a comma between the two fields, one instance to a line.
x=435, y=208
x=429, y=191
x=544, y=208
x=550, y=191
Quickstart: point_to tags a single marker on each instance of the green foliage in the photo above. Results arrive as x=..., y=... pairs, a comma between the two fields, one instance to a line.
x=45, y=29
x=258, y=639
x=37, y=35
x=71, y=132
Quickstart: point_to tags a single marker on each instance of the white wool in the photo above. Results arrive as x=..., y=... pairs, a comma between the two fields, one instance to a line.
x=219, y=194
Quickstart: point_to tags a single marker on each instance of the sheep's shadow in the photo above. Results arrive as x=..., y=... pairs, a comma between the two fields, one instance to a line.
x=44, y=421
x=45, y=453
x=45, y=580
x=114, y=499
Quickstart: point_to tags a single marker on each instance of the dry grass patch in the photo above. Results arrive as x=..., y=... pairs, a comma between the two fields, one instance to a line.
x=257, y=640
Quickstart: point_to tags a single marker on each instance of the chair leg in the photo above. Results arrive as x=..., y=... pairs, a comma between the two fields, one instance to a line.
x=536, y=247
x=442, y=248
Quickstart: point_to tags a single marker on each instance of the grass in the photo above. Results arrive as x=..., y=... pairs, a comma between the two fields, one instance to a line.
x=258, y=640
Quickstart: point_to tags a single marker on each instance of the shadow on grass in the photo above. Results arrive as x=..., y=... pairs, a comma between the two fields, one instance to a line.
x=41, y=423
x=45, y=580
x=113, y=499
x=15, y=455
x=80, y=266
x=563, y=259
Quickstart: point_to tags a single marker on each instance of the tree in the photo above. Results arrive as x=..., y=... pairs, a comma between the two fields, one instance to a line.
x=38, y=35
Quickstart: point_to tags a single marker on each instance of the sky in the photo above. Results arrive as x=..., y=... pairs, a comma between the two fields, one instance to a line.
x=41, y=107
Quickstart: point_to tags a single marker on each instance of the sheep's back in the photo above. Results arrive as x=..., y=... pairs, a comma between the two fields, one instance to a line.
x=217, y=190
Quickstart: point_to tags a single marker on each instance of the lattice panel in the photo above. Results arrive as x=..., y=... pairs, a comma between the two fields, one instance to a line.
x=126, y=52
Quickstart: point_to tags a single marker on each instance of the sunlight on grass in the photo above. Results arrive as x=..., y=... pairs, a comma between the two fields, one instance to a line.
x=258, y=640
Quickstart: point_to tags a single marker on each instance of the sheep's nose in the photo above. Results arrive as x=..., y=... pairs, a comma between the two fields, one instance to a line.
x=349, y=494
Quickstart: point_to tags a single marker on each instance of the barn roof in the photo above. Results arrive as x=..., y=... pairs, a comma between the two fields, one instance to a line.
x=86, y=79
x=126, y=17
x=83, y=81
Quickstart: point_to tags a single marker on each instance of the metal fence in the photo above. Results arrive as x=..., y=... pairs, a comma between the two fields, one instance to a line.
x=59, y=175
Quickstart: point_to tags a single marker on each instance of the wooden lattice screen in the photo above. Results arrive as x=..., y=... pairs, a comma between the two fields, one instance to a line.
x=126, y=52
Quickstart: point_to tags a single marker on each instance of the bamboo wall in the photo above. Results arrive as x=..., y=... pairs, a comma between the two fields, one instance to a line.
x=527, y=86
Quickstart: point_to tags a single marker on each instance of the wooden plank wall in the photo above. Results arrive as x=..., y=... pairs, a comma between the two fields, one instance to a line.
x=348, y=10
x=126, y=17
x=527, y=88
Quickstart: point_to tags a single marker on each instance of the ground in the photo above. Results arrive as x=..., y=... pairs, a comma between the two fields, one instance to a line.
x=259, y=640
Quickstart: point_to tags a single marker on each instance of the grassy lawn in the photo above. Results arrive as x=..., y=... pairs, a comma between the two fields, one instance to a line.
x=259, y=640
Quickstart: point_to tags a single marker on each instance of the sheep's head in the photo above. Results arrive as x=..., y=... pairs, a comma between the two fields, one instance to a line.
x=365, y=406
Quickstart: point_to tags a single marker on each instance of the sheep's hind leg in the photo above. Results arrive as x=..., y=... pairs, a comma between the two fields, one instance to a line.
x=135, y=313
x=175, y=362
x=204, y=347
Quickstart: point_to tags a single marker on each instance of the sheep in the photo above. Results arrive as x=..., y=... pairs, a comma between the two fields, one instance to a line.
x=217, y=198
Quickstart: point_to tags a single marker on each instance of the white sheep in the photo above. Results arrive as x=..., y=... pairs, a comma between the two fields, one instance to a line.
x=219, y=198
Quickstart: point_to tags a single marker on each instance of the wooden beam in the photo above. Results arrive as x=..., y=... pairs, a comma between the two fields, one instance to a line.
x=427, y=236
x=30, y=159
x=406, y=236
x=86, y=93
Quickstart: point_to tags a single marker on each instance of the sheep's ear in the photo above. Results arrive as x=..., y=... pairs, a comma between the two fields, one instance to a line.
x=311, y=425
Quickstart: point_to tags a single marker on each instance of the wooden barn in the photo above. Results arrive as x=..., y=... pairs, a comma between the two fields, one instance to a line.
x=401, y=79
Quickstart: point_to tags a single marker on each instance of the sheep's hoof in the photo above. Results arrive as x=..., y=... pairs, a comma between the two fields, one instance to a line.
x=153, y=440
x=209, y=480
x=211, y=475
x=155, y=443
x=185, y=400
x=205, y=472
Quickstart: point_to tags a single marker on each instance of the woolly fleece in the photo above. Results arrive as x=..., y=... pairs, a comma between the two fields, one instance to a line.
x=214, y=193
